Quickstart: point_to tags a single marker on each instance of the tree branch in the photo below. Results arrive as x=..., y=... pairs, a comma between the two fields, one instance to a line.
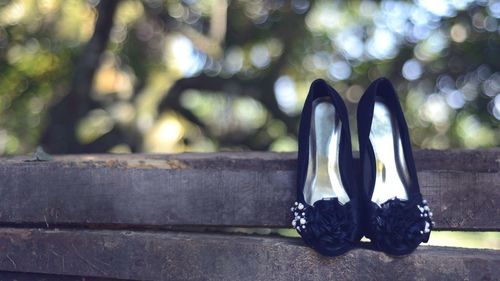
x=260, y=88
x=59, y=136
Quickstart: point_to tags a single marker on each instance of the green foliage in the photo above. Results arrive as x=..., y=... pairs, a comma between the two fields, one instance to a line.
x=195, y=76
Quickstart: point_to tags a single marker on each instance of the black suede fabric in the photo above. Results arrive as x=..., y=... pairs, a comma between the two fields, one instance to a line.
x=396, y=227
x=331, y=228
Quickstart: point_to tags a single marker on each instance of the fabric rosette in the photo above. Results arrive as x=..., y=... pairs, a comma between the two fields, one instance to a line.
x=399, y=226
x=325, y=226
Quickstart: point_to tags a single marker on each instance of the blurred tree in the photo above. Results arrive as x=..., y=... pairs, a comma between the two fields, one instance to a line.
x=60, y=134
x=205, y=75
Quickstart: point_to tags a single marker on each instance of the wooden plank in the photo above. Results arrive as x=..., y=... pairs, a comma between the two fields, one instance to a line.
x=479, y=160
x=148, y=255
x=23, y=276
x=218, y=189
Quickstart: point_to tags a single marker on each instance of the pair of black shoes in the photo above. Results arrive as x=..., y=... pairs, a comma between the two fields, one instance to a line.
x=338, y=203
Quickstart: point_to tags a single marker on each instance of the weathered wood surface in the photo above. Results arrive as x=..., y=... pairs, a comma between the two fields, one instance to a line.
x=219, y=189
x=22, y=276
x=148, y=255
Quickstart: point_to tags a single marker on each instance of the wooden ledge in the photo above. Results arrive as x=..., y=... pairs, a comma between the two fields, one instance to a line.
x=219, y=189
x=195, y=256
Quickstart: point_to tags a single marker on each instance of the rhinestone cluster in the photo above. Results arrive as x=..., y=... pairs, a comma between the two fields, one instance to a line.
x=299, y=221
x=425, y=212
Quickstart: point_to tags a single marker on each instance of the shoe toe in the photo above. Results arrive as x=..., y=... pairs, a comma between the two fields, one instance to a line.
x=398, y=226
x=329, y=227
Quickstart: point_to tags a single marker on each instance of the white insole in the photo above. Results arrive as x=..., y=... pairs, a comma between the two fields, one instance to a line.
x=389, y=183
x=323, y=175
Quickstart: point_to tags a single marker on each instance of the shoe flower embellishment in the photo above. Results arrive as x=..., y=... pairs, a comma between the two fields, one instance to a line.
x=326, y=223
x=399, y=225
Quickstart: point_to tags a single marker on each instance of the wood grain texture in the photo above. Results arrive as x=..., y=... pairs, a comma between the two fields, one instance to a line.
x=23, y=276
x=195, y=256
x=219, y=189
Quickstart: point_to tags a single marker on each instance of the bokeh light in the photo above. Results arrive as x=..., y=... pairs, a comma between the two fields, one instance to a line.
x=204, y=76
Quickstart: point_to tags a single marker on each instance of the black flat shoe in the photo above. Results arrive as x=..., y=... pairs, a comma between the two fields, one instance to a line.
x=326, y=212
x=396, y=217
